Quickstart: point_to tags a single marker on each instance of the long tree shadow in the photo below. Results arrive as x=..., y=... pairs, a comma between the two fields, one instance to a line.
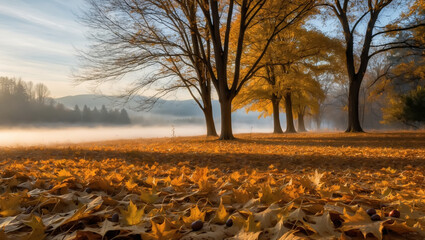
x=380, y=140
x=223, y=161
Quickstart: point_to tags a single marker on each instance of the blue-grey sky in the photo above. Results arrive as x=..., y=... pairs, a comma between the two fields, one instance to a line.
x=38, y=40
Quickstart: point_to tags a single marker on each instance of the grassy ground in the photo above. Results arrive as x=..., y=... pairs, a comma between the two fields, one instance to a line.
x=311, y=185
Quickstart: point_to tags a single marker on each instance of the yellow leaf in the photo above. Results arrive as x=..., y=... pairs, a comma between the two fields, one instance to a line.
x=241, y=195
x=3, y=235
x=267, y=195
x=195, y=214
x=37, y=228
x=10, y=205
x=63, y=174
x=242, y=235
x=133, y=216
x=251, y=225
x=161, y=232
x=361, y=221
x=270, y=215
x=315, y=179
x=177, y=182
x=130, y=184
x=221, y=215
x=151, y=180
x=149, y=197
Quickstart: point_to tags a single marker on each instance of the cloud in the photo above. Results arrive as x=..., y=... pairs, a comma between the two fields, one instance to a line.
x=30, y=18
x=38, y=43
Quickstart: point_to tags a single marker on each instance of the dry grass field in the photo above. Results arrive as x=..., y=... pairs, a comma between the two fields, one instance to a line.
x=261, y=186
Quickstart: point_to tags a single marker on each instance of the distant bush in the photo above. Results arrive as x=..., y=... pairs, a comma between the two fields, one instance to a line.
x=410, y=108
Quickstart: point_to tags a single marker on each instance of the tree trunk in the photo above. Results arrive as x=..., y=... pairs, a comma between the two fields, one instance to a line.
x=209, y=121
x=290, y=128
x=276, y=118
x=208, y=110
x=226, y=119
x=318, y=119
x=353, y=107
x=301, y=125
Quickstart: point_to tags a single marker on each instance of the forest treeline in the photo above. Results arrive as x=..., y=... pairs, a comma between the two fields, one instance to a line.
x=27, y=103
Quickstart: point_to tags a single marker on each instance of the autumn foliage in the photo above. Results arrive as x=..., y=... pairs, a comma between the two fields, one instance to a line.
x=315, y=186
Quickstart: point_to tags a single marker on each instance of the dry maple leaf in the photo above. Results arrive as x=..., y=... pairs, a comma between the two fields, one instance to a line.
x=316, y=179
x=204, y=185
x=399, y=227
x=361, y=221
x=10, y=205
x=130, y=184
x=161, y=232
x=276, y=232
x=290, y=236
x=251, y=225
x=149, y=197
x=297, y=215
x=261, y=192
x=269, y=215
x=132, y=216
x=242, y=235
x=267, y=195
x=221, y=214
x=82, y=212
x=241, y=195
x=195, y=214
x=3, y=235
x=38, y=228
x=322, y=225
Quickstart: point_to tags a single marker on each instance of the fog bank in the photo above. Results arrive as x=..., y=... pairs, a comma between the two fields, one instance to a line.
x=47, y=136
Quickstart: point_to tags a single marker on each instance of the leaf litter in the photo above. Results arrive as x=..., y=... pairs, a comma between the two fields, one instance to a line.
x=117, y=198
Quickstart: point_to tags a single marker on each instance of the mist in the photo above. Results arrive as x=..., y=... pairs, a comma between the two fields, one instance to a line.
x=34, y=136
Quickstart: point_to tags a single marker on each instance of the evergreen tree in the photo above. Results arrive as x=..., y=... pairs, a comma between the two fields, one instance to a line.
x=86, y=115
x=124, y=119
x=104, y=115
x=76, y=114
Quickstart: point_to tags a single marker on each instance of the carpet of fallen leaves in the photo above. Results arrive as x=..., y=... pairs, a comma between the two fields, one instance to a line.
x=261, y=186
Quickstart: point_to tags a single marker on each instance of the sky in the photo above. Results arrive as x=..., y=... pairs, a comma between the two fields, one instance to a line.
x=38, y=42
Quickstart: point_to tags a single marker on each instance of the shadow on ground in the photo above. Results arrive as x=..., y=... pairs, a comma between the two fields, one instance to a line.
x=324, y=151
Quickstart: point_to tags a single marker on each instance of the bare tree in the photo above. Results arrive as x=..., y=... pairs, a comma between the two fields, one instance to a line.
x=352, y=14
x=153, y=40
x=41, y=93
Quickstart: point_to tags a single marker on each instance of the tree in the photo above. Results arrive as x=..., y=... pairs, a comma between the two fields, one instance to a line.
x=404, y=71
x=41, y=93
x=306, y=98
x=124, y=119
x=150, y=35
x=227, y=71
x=86, y=114
x=288, y=66
x=104, y=114
x=77, y=114
x=351, y=14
